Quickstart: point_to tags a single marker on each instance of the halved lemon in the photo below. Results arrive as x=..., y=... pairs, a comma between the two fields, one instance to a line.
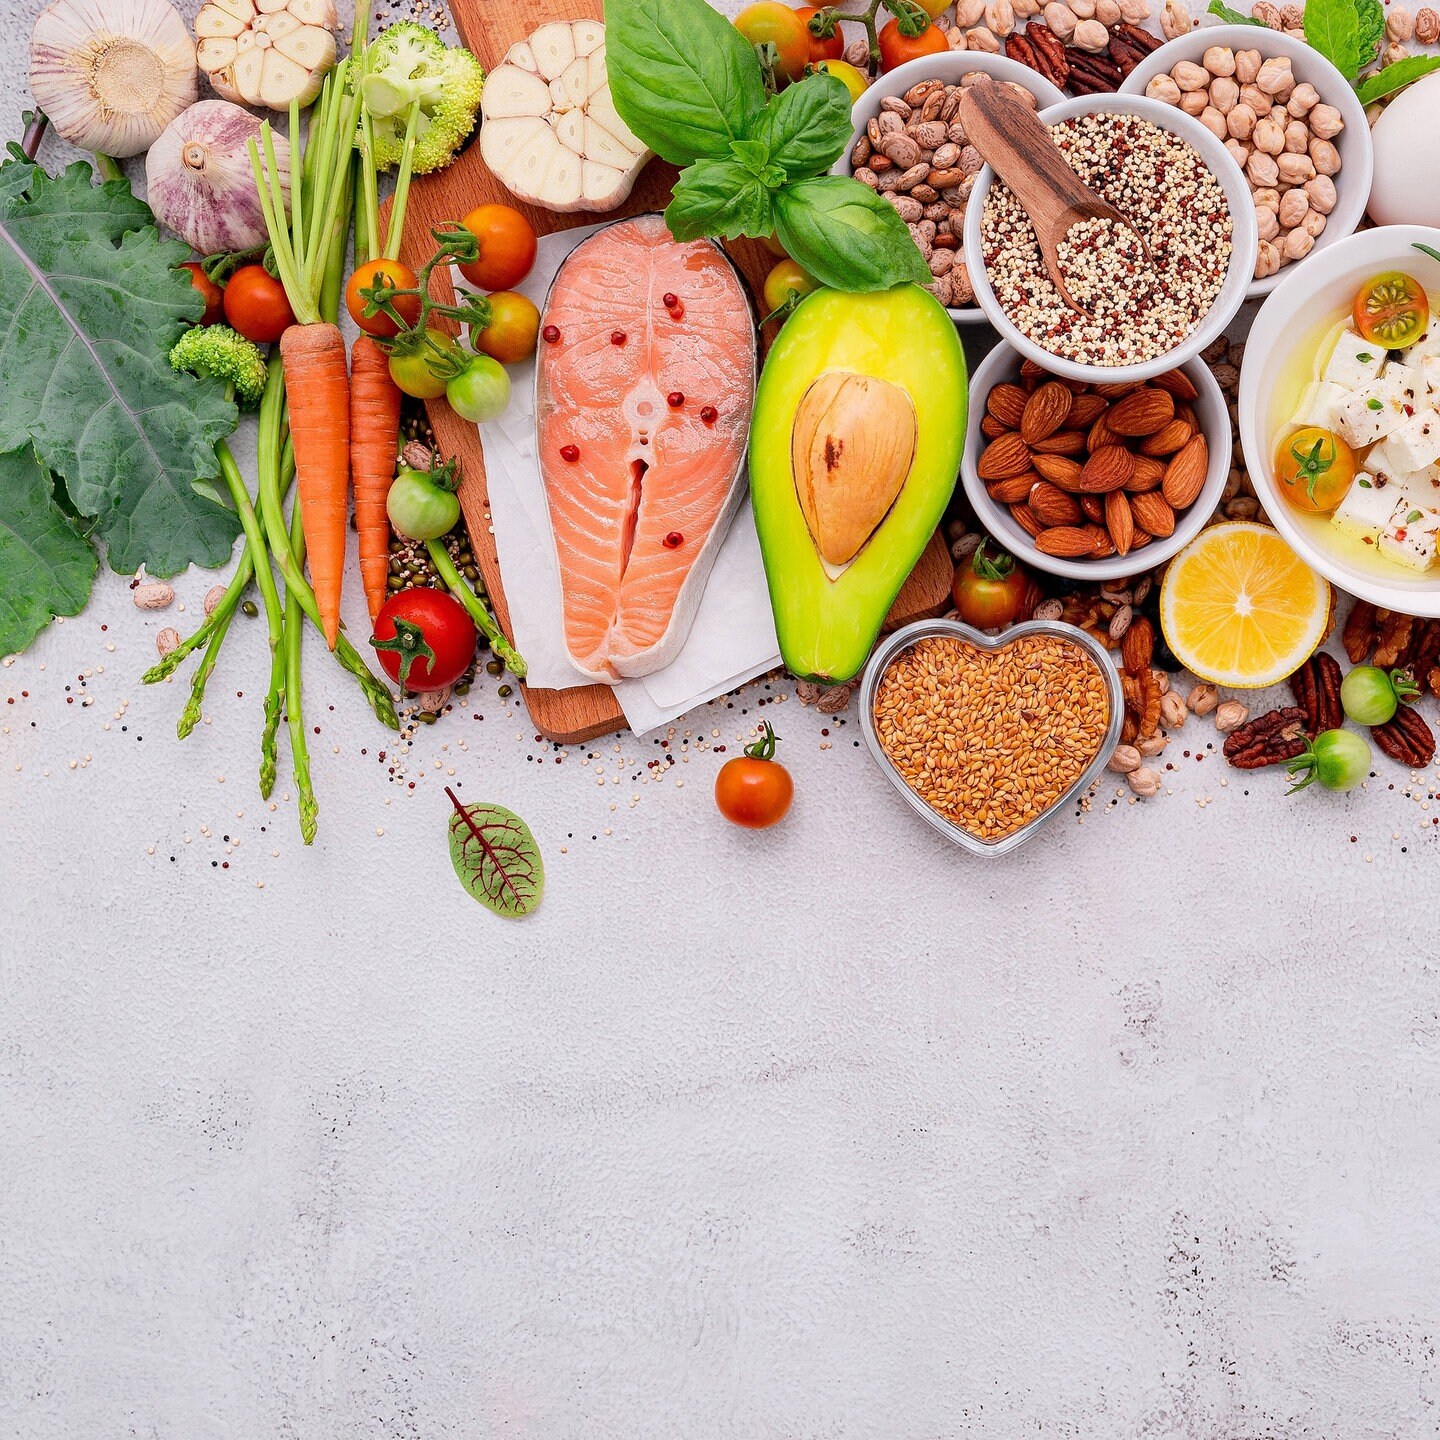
x=1239, y=608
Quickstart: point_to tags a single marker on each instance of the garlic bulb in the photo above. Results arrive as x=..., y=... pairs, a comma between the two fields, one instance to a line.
x=200, y=182
x=111, y=74
x=266, y=52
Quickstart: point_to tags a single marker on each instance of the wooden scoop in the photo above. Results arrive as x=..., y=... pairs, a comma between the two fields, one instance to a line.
x=1013, y=142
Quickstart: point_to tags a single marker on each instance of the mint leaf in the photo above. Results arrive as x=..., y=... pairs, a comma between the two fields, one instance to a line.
x=46, y=565
x=846, y=236
x=1233, y=17
x=1333, y=28
x=807, y=126
x=1370, y=16
x=91, y=304
x=681, y=76
x=1396, y=77
x=719, y=197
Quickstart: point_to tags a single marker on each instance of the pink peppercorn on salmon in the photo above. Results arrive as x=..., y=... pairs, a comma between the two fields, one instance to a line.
x=644, y=386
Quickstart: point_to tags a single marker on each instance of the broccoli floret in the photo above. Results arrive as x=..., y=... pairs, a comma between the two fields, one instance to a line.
x=409, y=65
x=220, y=353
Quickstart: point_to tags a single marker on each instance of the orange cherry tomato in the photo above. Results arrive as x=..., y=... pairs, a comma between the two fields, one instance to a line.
x=933, y=8
x=831, y=49
x=754, y=790
x=896, y=49
x=507, y=247
x=401, y=277
x=256, y=306
x=513, y=329
x=1392, y=310
x=768, y=22
x=209, y=291
x=1314, y=468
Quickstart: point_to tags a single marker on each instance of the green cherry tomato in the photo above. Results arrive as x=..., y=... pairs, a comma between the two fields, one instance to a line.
x=480, y=392
x=419, y=508
x=1371, y=696
x=1338, y=759
x=787, y=282
x=417, y=374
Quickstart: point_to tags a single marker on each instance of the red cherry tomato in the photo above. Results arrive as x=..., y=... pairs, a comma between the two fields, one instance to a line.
x=424, y=639
x=394, y=274
x=754, y=790
x=256, y=306
x=210, y=292
x=768, y=22
x=992, y=591
x=513, y=329
x=831, y=49
x=507, y=247
x=896, y=49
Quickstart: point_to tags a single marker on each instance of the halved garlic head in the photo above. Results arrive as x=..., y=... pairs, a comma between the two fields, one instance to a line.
x=551, y=133
x=111, y=74
x=266, y=52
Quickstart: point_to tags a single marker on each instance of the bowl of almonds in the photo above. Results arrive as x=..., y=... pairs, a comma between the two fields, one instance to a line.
x=1094, y=481
x=909, y=147
x=1288, y=119
x=989, y=737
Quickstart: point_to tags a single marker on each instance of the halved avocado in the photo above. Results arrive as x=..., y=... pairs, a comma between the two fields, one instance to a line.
x=855, y=447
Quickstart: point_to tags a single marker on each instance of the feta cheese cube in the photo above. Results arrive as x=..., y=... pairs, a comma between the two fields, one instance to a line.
x=1321, y=405
x=1427, y=344
x=1365, y=510
x=1415, y=444
x=1421, y=487
x=1411, y=537
x=1354, y=362
x=1430, y=369
x=1370, y=414
x=1385, y=465
x=1407, y=383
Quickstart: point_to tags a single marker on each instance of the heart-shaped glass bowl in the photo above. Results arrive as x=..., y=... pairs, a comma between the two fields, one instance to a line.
x=904, y=638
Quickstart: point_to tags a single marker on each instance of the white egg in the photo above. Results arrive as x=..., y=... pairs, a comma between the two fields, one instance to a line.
x=1406, y=189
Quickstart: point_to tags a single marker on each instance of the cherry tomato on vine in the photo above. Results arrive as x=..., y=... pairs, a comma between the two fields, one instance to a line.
x=847, y=75
x=754, y=790
x=831, y=49
x=768, y=22
x=256, y=306
x=513, y=329
x=416, y=374
x=398, y=277
x=422, y=504
x=423, y=639
x=896, y=48
x=480, y=392
x=1314, y=468
x=1392, y=310
x=785, y=280
x=209, y=292
x=991, y=591
x=507, y=247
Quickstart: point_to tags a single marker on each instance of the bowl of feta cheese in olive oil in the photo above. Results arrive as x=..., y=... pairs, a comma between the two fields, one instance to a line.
x=1340, y=414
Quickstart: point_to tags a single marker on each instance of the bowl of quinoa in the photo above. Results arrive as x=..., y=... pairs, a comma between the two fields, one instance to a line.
x=1184, y=195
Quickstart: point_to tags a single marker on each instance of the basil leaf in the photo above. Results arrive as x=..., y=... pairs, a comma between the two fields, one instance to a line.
x=1233, y=17
x=1370, y=15
x=807, y=126
x=753, y=156
x=719, y=197
x=1333, y=28
x=846, y=236
x=681, y=77
x=1396, y=77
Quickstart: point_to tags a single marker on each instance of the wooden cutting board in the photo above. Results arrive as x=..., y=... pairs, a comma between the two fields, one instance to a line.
x=489, y=28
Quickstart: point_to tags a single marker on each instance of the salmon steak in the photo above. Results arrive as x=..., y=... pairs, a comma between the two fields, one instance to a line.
x=644, y=387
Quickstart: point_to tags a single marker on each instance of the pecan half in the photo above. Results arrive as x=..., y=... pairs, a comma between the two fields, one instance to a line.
x=1406, y=738
x=1017, y=47
x=1423, y=651
x=1124, y=54
x=1092, y=74
x=1269, y=739
x=1316, y=685
x=1361, y=630
x=1049, y=48
x=1134, y=35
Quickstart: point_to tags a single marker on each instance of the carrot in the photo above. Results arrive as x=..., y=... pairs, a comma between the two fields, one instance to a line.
x=374, y=440
x=318, y=390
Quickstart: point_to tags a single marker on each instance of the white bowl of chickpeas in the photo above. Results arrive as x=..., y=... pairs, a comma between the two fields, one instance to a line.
x=1288, y=119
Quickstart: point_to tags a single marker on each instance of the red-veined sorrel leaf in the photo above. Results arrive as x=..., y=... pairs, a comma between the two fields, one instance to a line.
x=496, y=857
